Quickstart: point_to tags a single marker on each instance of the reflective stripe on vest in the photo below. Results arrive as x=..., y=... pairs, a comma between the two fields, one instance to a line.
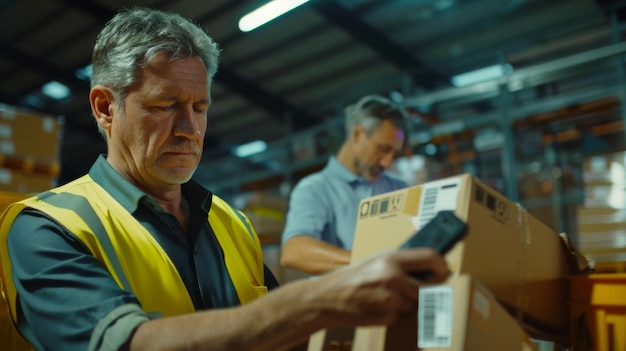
x=123, y=246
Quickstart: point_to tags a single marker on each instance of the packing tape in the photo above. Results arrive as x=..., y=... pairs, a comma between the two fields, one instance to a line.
x=524, y=261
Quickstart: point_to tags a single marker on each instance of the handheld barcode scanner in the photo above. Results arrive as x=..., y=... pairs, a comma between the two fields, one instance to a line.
x=441, y=233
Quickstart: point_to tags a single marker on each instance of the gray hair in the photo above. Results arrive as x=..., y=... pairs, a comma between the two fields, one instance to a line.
x=371, y=110
x=134, y=37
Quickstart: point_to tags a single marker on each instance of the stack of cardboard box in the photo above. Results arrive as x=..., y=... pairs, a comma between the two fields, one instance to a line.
x=598, y=312
x=602, y=216
x=9, y=338
x=266, y=211
x=598, y=301
x=29, y=150
x=267, y=214
x=509, y=281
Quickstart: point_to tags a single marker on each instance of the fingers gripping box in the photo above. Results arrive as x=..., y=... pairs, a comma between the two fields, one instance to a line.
x=463, y=315
x=519, y=259
x=459, y=315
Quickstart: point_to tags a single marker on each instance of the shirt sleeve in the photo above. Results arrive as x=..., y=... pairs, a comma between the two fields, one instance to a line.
x=308, y=213
x=64, y=292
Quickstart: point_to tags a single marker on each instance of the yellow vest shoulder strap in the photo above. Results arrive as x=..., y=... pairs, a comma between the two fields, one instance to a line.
x=242, y=249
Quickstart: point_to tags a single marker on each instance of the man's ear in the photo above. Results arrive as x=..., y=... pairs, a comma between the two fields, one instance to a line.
x=358, y=133
x=101, y=99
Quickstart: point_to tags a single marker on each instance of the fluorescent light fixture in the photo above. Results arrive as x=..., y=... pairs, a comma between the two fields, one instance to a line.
x=481, y=75
x=84, y=73
x=267, y=12
x=249, y=149
x=55, y=90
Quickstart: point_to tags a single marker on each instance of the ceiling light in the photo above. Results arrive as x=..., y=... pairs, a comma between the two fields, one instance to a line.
x=481, y=75
x=84, y=73
x=267, y=12
x=249, y=149
x=55, y=90
x=443, y=4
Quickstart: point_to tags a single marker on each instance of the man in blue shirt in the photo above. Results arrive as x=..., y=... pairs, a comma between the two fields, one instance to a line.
x=323, y=206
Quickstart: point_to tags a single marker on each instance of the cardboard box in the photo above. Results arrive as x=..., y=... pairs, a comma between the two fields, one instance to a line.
x=7, y=198
x=265, y=226
x=9, y=338
x=598, y=312
x=604, y=196
x=602, y=235
x=518, y=258
x=25, y=183
x=463, y=315
x=28, y=133
x=274, y=205
x=597, y=169
x=460, y=315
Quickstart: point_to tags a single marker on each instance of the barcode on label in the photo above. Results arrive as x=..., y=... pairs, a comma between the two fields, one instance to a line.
x=435, y=317
x=436, y=196
x=428, y=206
x=374, y=208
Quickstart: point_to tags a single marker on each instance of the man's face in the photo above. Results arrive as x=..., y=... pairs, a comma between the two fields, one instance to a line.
x=375, y=153
x=158, y=136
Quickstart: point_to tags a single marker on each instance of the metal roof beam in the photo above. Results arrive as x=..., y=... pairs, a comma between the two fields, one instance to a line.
x=398, y=56
x=27, y=61
x=618, y=7
x=274, y=104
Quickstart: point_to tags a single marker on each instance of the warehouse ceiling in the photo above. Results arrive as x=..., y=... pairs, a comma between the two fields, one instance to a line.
x=300, y=70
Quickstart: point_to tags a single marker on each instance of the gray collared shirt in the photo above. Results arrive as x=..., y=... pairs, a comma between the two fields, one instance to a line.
x=324, y=205
x=84, y=303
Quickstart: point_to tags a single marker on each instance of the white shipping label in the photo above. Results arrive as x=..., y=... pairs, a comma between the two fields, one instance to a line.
x=435, y=317
x=437, y=196
x=481, y=304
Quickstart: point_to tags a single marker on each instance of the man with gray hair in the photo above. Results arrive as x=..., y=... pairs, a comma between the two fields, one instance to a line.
x=135, y=255
x=323, y=206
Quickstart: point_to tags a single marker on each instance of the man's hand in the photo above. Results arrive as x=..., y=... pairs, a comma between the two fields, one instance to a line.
x=374, y=291
x=378, y=289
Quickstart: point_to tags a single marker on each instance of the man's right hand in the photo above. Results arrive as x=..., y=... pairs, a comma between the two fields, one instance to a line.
x=377, y=289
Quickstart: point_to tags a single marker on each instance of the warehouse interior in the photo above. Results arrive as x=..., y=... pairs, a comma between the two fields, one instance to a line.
x=526, y=95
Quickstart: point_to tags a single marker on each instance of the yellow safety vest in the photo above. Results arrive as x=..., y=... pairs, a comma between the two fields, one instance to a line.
x=131, y=254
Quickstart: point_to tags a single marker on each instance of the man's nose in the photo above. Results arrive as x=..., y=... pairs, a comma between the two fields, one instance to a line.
x=187, y=123
x=386, y=161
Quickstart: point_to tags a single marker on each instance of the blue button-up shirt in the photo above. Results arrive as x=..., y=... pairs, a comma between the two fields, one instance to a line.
x=324, y=205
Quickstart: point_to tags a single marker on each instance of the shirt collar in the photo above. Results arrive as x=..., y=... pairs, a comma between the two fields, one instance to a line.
x=336, y=170
x=129, y=196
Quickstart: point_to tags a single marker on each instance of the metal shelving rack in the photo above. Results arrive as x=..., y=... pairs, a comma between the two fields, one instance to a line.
x=585, y=78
